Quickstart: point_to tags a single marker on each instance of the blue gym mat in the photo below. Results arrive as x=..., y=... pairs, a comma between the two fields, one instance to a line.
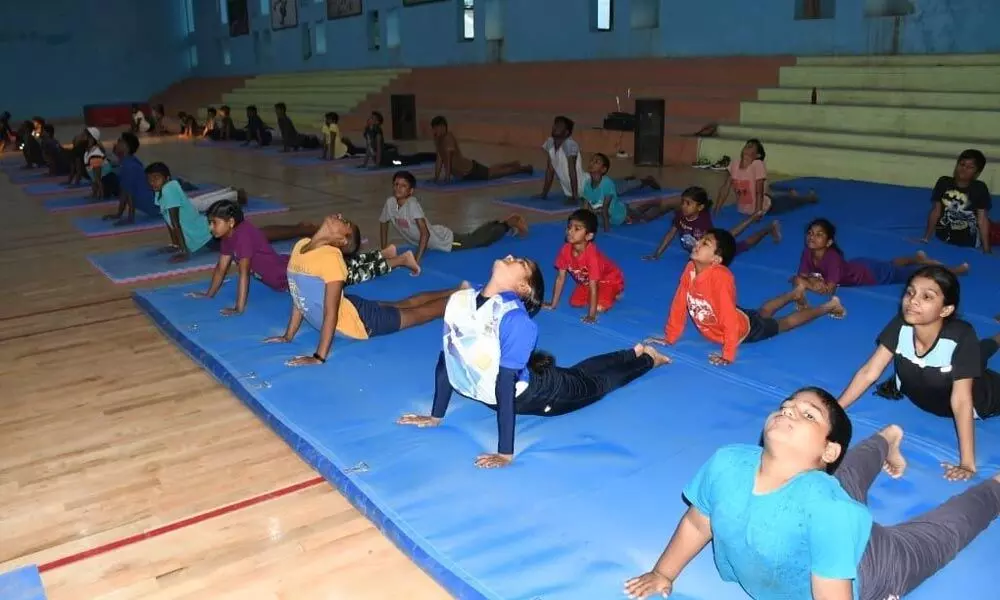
x=593, y=496
x=22, y=584
x=353, y=168
x=147, y=263
x=464, y=186
x=55, y=205
x=54, y=188
x=99, y=227
x=312, y=158
x=557, y=205
x=35, y=176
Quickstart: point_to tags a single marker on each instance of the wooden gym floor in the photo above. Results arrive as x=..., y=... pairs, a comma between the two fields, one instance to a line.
x=128, y=472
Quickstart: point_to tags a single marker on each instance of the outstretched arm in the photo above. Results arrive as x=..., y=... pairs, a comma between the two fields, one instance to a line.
x=693, y=533
x=962, y=408
x=866, y=376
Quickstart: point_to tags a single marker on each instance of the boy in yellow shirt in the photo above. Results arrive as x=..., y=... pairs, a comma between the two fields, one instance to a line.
x=316, y=279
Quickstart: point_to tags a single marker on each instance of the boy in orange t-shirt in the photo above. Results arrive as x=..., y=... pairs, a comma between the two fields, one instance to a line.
x=707, y=292
x=599, y=281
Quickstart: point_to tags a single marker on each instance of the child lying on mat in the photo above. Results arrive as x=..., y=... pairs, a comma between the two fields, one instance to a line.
x=823, y=266
x=188, y=229
x=599, y=281
x=747, y=179
x=707, y=292
x=317, y=275
x=694, y=218
x=403, y=210
x=251, y=248
x=452, y=165
x=939, y=363
x=960, y=206
x=499, y=366
x=790, y=519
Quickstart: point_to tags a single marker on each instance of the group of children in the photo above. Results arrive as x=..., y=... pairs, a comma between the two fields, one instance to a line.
x=801, y=491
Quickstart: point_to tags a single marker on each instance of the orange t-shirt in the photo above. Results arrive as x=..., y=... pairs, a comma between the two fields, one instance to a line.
x=710, y=298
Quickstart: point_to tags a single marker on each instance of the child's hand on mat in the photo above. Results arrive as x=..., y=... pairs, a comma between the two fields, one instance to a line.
x=179, y=258
x=717, y=360
x=589, y=319
x=657, y=341
x=548, y=306
x=196, y=295
x=957, y=472
x=229, y=312
x=417, y=420
x=646, y=585
x=278, y=339
x=303, y=361
x=493, y=461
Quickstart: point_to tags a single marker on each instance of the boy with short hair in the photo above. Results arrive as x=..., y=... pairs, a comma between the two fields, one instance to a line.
x=450, y=164
x=960, y=206
x=56, y=157
x=707, y=292
x=256, y=130
x=599, y=280
x=333, y=142
x=403, y=210
x=134, y=192
x=565, y=160
x=188, y=228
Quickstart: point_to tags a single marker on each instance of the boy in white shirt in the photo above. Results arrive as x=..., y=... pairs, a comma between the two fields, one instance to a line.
x=407, y=217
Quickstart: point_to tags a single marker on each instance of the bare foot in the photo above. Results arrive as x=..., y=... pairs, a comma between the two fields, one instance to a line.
x=389, y=251
x=834, y=308
x=638, y=349
x=465, y=285
x=658, y=359
x=961, y=269
x=410, y=262
x=895, y=464
x=776, y=231
x=519, y=224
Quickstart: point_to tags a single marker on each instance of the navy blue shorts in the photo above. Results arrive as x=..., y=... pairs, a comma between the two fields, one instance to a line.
x=761, y=328
x=378, y=319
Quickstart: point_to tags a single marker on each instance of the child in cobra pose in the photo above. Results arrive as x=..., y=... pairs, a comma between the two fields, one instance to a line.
x=789, y=518
x=707, y=292
x=317, y=275
x=694, y=218
x=747, y=178
x=599, y=281
x=489, y=356
x=823, y=266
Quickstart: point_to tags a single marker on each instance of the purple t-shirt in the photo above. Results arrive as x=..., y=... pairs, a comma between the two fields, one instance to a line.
x=246, y=241
x=689, y=231
x=832, y=268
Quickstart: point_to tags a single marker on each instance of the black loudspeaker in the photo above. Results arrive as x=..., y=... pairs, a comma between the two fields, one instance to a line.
x=649, y=124
x=404, y=116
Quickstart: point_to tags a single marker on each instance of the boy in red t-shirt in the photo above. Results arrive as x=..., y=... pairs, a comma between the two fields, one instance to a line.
x=599, y=281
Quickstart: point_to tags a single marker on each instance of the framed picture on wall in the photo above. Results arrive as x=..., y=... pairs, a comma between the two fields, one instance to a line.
x=415, y=2
x=284, y=14
x=239, y=18
x=341, y=9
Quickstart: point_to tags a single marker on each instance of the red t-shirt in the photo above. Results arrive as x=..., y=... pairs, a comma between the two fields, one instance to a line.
x=591, y=264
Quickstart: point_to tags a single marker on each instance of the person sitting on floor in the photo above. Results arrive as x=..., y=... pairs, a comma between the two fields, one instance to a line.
x=188, y=228
x=256, y=130
x=317, y=275
x=960, y=206
x=788, y=518
x=56, y=157
x=403, y=210
x=599, y=281
x=489, y=356
x=707, y=293
x=451, y=165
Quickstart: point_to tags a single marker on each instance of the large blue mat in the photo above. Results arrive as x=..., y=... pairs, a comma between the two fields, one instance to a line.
x=85, y=201
x=100, y=227
x=465, y=186
x=556, y=205
x=593, y=496
x=22, y=584
x=53, y=188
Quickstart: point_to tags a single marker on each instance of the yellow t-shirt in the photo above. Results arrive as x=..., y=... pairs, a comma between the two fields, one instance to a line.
x=308, y=275
x=339, y=148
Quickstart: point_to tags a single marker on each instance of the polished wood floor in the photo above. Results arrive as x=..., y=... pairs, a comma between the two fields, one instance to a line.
x=126, y=471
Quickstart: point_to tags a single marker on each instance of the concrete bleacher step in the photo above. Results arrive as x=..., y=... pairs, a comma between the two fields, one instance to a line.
x=975, y=78
x=910, y=98
x=900, y=60
x=897, y=168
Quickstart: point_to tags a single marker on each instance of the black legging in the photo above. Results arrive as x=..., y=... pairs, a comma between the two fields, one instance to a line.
x=392, y=158
x=557, y=390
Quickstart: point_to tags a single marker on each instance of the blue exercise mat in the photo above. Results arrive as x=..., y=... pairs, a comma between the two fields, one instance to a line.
x=147, y=263
x=35, y=176
x=353, y=167
x=464, y=186
x=558, y=205
x=22, y=584
x=100, y=227
x=55, y=205
x=593, y=496
x=312, y=159
x=54, y=188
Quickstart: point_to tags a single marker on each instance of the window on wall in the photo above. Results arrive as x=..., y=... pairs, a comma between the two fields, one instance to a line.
x=307, y=48
x=224, y=11
x=193, y=56
x=602, y=14
x=807, y=10
x=265, y=7
x=392, y=37
x=468, y=16
x=645, y=14
x=189, y=16
x=374, y=31
x=319, y=37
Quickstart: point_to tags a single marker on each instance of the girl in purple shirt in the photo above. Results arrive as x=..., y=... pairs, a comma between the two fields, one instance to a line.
x=823, y=266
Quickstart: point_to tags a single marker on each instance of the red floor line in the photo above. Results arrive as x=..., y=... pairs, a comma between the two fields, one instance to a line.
x=139, y=537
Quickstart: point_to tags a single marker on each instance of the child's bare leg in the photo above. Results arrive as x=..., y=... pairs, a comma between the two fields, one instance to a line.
x=773, y=230
x=410, y=316
x=831, y=307
x=425, y=297
x=518, y=224
x=389, y=251
x=772, y=306
x=649, y=211
x=277, y=233
x=405, y=260
x=921, y=258
x=507, y=169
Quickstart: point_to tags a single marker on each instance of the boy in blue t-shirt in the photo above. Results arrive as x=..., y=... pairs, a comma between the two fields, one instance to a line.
x=189, y=231
x=134, y=191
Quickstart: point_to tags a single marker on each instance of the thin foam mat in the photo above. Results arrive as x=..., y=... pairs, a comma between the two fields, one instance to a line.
x=56, y=205
x=100, y=227
x=558, y=205
x=463, y=185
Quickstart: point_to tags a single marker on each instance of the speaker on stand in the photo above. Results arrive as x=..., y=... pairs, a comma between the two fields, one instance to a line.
x=649, y=131
x=404, y=116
